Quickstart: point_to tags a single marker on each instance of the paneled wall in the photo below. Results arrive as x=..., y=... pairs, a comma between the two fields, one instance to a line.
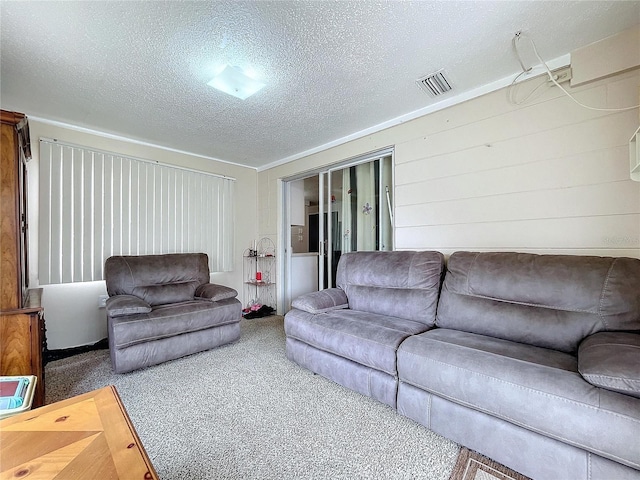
x=547, y=176
x=550, y=176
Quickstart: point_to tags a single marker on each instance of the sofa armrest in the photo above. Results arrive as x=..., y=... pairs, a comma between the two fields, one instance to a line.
x=121, y=305
x=215, y=292
x=322, y=301
x=611, y=360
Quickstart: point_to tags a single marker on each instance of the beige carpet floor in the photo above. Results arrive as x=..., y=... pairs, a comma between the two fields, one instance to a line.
x=243, y=411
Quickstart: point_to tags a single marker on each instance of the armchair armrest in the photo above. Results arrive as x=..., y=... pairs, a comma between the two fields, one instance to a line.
x=215, y=292
x=322, y=301
x=121, y=305
x=611, y=360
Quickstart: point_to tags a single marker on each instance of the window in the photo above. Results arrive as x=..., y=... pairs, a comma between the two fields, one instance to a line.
x=96, y=204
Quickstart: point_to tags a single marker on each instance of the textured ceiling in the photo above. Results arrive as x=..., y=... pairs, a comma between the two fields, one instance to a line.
x=332, y=69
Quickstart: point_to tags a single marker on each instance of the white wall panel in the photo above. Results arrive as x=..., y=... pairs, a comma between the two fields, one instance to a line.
x=583, y=201
x=519, y=123
x=612, y=58
x=608, y=233
x=601, y=166
x=561, y=185
x=592, y=135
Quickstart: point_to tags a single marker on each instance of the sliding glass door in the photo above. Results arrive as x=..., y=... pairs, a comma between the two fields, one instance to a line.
x=357, y=212
x=345, y=208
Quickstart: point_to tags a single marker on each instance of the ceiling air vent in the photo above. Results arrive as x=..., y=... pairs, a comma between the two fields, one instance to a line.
x=435, y=84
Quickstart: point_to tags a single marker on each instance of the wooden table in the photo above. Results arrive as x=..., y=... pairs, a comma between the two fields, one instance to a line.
x=84, y=437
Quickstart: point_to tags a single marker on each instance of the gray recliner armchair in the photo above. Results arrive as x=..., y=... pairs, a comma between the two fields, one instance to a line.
x=162, y=307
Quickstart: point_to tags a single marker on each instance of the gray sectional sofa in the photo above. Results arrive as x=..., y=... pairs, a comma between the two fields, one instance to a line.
x=532, y=360
x=350, y=334
x=162, y=307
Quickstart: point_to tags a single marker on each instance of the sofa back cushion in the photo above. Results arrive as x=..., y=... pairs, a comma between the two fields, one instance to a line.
x=551, y=301
x=157, y=279
x=401, y=284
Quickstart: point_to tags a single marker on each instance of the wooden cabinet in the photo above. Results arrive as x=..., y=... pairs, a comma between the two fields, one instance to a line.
x=22, y=331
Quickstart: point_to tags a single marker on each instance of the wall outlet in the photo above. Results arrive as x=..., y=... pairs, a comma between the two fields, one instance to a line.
x=102, y=301
x=561, y=75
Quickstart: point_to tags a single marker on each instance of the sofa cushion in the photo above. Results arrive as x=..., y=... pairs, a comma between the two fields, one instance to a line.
x=611, y=360
x=355, y=376
x=123, y=274
x=551, y=301
x=166, y=293
x=532, y=387
x=126, y=305
x=215, y=292
x=322, y=301
x=170, y=320
x=366, y=338
x=401, y=284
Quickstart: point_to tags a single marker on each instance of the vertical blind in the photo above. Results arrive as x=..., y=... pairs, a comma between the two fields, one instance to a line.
x=96, y=204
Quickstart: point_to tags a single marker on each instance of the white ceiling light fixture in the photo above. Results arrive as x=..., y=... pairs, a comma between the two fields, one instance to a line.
x=233, y=81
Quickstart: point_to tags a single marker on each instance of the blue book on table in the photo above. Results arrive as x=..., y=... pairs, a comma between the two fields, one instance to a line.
x=12, y=392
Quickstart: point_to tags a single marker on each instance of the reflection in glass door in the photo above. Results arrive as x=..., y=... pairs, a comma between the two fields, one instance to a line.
x=360, y=208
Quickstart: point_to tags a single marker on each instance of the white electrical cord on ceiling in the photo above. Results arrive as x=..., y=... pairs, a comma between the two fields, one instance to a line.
x=551, y=77
x=511, y=91
x=514, y=42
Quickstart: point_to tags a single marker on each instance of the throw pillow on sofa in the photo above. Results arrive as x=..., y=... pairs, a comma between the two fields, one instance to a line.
x=611, y=360
x=122, y=305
